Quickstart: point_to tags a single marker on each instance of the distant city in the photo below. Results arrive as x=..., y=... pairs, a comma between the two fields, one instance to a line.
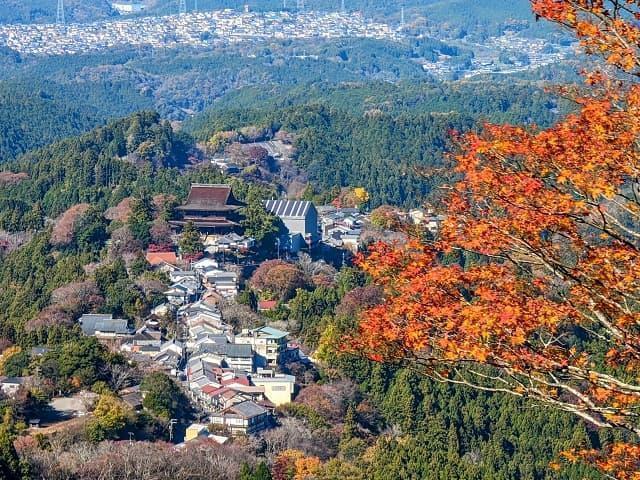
x=195, y=29
x=504, y=54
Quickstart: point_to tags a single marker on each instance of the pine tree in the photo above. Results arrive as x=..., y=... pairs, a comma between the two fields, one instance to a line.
x=190, y=242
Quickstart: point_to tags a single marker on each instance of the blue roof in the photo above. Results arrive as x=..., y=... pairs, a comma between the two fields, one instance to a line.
x=271, y=332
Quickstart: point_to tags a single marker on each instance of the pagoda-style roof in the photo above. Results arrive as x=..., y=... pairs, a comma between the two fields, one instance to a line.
x=211, y=198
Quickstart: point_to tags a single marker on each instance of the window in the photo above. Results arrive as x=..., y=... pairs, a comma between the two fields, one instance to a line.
x=278, y=388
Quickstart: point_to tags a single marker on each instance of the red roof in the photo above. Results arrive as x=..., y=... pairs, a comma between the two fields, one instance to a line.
x=209, y=389
x=157, y=258
x=239, y=380
x=267, y=304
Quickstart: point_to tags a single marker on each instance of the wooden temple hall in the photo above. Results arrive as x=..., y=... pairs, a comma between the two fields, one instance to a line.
x=211, y=208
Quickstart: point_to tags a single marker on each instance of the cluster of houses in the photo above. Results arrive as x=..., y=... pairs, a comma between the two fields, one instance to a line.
x=232, y=377
x=341, y=227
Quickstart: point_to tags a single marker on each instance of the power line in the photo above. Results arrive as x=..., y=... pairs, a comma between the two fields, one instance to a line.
x=60, y=14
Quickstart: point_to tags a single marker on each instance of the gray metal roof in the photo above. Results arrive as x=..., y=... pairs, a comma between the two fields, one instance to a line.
x=247, y=409
x=288, y=208
x=92, y=323
x=232, y=350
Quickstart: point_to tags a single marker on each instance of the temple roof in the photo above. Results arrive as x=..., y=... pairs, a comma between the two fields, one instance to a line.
x=204, y=222
x=211, y=197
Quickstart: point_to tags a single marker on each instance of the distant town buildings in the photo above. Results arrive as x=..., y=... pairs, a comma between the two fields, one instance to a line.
x=128, y=7
x=194, y=29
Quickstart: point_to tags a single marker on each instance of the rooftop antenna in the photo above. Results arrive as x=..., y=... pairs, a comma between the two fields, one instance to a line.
x=60, y=14
x=182, y=7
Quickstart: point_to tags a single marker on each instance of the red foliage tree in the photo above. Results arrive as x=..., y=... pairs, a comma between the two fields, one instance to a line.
x=121, y=211
x=10, y=178
x=277, y=278
x=62, y=232
x=553, y=305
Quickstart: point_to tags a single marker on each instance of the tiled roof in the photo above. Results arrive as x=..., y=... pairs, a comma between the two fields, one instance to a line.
x=227, y=349
x=92, y=323
x=247, y=409
x=157, y=258
x=214, y=197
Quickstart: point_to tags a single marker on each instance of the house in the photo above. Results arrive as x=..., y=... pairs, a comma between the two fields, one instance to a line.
x=157, y=259
x=177, y=276
x=196, y=430
x=222, y=281
x=104, y=326
x=216, y=399
x=268, y=343
x=245, y=418
x=132, y=397
x=170, y=355
x=267, y=305
x=211, y=208
x=146, y=341
x=183, y=291
x=205, y=264
x=300, y=218
x=278, y=388
x=232, y=355
x=10, y=385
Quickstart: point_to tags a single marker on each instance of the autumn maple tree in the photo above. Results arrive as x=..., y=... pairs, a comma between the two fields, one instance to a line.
x=533, y=286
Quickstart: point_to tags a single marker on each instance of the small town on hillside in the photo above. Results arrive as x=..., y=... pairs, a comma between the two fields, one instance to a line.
x=234, y=378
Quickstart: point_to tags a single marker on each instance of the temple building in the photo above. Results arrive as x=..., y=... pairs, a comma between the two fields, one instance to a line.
x=211, y=208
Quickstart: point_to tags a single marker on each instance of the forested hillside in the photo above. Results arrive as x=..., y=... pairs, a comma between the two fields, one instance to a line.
x=33, y=114
x=376, y=135
x=362, y=420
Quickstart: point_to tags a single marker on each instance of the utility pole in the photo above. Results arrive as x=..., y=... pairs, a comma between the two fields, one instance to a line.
x=183, y=7
x=284, y=4
x=343, y=8
x=300, y=5
x=60, y=21
x=402, y=17
x=172, y=422
x=130, y=438
x=195, y=5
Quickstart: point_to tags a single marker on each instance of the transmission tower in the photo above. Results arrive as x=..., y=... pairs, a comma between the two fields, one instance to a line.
x=60, y=13
x=182, y=7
